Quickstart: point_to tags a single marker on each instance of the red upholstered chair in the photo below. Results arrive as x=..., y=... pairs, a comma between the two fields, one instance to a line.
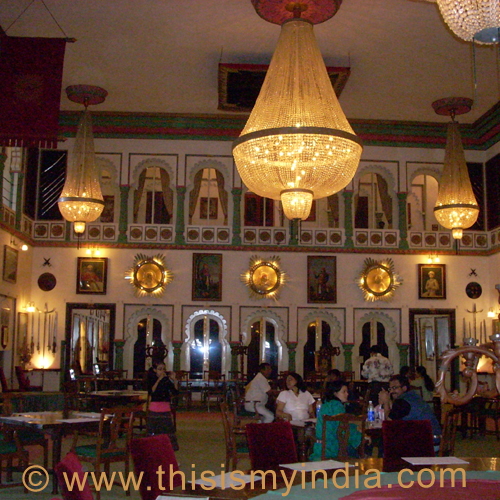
x=271, y=445
x=407, y=438
x=71, y=465
x=148, y=454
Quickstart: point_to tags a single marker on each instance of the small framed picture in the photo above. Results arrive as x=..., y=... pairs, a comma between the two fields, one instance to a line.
x=432, y=281
x=92, y=274
x=10, y=256
x=322, y=279
x=207, y=276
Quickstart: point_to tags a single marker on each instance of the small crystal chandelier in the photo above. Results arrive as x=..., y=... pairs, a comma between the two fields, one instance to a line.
x=456, y=206
x=472, y=20
x=81, y=198
x=297, y=144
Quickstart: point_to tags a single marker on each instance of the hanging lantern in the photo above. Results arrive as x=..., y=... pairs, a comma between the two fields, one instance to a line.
x=456, y=206
x=297, y=144
x=81, y=198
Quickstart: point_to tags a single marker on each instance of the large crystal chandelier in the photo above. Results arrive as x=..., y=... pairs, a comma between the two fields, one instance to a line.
x=472, y=20
x=456, y=206
x=81, y=198
x=297, y=144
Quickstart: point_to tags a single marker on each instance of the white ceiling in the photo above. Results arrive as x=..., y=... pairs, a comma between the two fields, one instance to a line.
x=162, y=55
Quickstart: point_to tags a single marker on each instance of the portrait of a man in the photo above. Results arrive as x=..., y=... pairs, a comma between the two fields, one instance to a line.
x=432, y=283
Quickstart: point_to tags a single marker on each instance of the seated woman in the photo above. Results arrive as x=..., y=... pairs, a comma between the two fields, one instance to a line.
x=335, y=397
x=296, y=403
x=425, y=382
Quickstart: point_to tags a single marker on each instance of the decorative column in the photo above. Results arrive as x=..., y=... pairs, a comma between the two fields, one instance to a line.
x=234, y=356
x=179, y=220
x=292, y=346
x=294, y=232
x=123, y=220
x=236, y=192
x=118, y=361
x=348, y=357
x=348, y=225
x=403, y=222
x=177, y=345
x=403, y=355
x=19, y=200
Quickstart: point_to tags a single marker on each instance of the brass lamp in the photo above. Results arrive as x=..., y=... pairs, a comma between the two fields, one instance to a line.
x=297, y=144
x=81, y=198
x=456, y=206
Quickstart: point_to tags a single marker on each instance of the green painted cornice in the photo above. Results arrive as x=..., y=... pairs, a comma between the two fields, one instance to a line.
x=480, y=135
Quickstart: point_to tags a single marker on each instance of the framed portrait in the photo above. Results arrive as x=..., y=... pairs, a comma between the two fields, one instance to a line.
x=432, y=281
x=322, y=279
x=10, y=256
x=91, y=276
x=207, y=276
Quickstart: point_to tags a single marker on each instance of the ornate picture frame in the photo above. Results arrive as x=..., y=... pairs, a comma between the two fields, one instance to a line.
x=92, y=275
x=432, y=281
x=207, y=276
x=322, y=279
x=10, y=258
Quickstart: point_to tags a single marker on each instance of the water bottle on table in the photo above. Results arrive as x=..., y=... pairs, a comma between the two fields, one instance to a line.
x=318, y=407
x=371, y=413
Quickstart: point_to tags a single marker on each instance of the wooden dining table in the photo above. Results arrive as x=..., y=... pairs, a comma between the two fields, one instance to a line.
x=108, y=399
x=55, y=424
x=477, y=468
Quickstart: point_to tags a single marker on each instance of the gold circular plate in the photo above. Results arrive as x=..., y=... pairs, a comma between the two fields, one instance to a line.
x=149, y=275
x=378, y=280
x=264, y=278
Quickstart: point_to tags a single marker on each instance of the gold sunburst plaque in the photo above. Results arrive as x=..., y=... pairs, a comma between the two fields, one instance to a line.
x=149, y=276
x=264, y=278
x=378, y=280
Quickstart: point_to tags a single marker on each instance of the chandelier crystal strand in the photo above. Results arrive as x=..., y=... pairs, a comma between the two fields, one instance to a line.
x=297, y=144
x=456, y=206
x=472, y=19
x=81, y=199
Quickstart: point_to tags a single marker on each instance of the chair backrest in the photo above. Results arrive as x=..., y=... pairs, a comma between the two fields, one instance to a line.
x=271, y=445
x=227, y=425
x=148, y=455
x=3, y=381
x=344, y=421
x=24, y=384
x=121, y=422
x=347, y=376
x=71, y=466
x=447, y=445
x=418, y=389
x=407, y=438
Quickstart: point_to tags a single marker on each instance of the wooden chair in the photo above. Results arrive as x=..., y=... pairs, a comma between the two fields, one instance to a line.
x=491, y=410
x=344, y=421
x=447, y=445
x=71, y=466
x=3, y=382
x=184, y=386
x=270, y=445
x=109, y=448
x=347, y=376
x=23, y=381
x=215, y=387
x=235, y=438
x=418, y=389
x=10, y=450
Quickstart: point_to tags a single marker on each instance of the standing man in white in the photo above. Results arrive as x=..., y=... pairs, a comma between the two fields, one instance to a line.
x=257, y=393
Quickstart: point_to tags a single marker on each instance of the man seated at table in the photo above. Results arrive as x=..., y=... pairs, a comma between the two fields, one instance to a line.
x=401, y=403
x=257, y=393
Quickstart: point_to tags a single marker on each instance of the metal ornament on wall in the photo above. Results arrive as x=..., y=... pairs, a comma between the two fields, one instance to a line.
x=473, y=290
x=378, y=280
x=149, y=275
x=264, y=278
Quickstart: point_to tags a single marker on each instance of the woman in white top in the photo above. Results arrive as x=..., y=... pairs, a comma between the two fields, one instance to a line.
x=296, y=403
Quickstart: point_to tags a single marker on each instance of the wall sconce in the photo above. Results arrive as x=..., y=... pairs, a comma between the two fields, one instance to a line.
x=492, y=313
x=93, y=251
x=16, y=244
x=433, y=259
x=30, y=307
